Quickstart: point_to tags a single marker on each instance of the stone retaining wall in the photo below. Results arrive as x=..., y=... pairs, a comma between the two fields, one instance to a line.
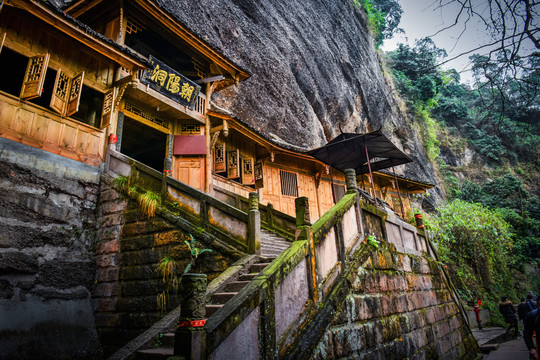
x=47, y=229
x=398, y=306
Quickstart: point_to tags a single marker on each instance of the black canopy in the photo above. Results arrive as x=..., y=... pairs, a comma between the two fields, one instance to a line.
x=348, y=151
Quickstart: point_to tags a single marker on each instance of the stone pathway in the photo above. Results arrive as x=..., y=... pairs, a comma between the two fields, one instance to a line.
x=506, y=350
x=510, y=350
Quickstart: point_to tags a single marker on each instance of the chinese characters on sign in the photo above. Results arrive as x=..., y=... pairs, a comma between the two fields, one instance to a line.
x=171, y=83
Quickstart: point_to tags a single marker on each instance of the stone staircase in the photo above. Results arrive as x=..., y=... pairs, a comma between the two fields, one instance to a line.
x=271, y=246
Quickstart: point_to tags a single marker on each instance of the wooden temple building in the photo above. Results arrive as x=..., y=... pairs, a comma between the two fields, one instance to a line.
x=143, y=81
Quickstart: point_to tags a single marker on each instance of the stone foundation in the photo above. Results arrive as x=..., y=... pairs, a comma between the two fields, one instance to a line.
x=47, y=268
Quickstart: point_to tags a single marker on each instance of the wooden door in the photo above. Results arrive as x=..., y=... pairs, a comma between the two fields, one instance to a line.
x=190, y=171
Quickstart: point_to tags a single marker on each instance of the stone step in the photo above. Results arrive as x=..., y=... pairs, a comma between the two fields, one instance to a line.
x=486, y=348
x=275, y=242
x=155, y=353
x=272, y=253
x=211, y=309
x=235, y=286
x=247, y=277
x=273, y=249
x=257, y=268
x=222, y=297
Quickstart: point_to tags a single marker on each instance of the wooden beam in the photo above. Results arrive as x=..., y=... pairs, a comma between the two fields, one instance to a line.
x=80, y=7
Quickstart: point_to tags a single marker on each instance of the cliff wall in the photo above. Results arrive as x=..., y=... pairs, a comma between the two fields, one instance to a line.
x=314, y=72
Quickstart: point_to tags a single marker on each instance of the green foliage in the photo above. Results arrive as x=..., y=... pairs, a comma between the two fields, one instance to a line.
x=167, y=270
x=148, y=202
x=372, y=240
x=383, y=18
x=474, y=242
x=195, y=252
x=120, y=182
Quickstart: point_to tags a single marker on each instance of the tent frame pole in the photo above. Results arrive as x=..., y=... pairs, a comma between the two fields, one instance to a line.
x=399, y=193
x=370, y=173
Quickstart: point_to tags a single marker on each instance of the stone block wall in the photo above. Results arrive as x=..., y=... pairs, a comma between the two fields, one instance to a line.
x=47, y=229
x=129, y=247
x=398, y=306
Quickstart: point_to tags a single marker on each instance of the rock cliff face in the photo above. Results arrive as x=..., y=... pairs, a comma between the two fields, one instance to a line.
x=314, y=71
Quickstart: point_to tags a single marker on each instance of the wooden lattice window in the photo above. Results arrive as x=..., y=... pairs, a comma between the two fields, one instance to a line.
x=247, y=171
x=66, y=95
x=133, y=25
x=219, y=158
x=232, y=164
x=34, y=77
x=190, y=129
x=75, y=94
x=106, y=113
x=289, y=183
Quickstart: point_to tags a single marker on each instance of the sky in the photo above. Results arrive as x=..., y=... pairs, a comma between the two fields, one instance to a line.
x=422, y=18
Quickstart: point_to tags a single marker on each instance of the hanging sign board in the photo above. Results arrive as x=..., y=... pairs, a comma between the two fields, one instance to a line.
x=170, y=83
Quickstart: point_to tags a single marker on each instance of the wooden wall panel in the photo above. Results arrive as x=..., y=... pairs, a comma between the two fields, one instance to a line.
x=23, y=121
x=41, y=126
x=8, y=114
x=68, y=137
x=55, y=132
x=325, y=194
x=34, y=126
x=81, y=143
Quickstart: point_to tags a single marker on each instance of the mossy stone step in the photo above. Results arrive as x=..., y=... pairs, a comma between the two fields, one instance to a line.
x=247, y=277
x=235, y=286
x=222, y=298
x=257, y=268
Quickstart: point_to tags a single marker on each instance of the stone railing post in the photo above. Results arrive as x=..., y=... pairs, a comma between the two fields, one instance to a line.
x=304, y=232
x=254, y=224
x=350, y=180
x=190, y=336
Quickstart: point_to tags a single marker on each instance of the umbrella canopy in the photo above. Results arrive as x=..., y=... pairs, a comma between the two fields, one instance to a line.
x=348, y=151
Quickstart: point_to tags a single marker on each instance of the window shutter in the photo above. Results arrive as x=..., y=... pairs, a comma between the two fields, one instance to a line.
x=60, y=92
x=258, y=175
x=108, y=101
x=247, y=171
x=232, y=164
x=34, y=77
x=219, y=158
x=75, y=94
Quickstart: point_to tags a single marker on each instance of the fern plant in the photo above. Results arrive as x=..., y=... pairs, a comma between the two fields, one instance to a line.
x=167, y=269
x=195, y=251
